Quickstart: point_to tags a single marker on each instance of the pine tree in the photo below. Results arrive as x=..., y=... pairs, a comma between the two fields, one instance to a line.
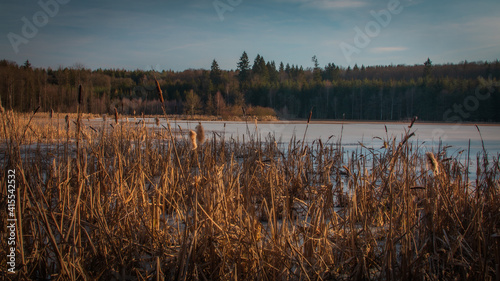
x=316, y=70
x=427, y=68
x=244, y=68
x=215, y=74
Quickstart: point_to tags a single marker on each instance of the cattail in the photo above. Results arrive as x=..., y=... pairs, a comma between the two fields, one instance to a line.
x=310, y=115
x=160, y=93
x=413, y=121
x=2, y=110
x=434, y=163
x=51, y=113
x=67, y=122
x=80, y=97
x=192, y=136
x=116, y=116
x=157, y=120
x=200, y=133
x=54, y=168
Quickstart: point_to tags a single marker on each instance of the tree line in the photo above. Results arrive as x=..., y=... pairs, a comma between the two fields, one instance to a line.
x=469, y=90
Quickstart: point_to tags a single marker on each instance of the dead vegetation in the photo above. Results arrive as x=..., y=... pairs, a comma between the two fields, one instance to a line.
x=125, y=201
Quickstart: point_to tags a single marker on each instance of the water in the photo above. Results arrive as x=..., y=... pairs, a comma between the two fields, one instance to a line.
x=370, y=134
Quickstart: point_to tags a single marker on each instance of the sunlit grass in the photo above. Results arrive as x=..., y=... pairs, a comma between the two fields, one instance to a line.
x=117, y=199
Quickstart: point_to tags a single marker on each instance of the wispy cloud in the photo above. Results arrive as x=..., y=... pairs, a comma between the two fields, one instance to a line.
x=388, y=49
x=335, y=4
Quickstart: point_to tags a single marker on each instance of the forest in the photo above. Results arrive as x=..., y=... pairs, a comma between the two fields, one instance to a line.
x=467, y=91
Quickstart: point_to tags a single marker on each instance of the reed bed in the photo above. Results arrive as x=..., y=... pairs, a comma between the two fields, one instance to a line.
x=122, y=201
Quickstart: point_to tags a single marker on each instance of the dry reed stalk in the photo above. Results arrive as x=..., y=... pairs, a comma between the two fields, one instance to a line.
x=80, y=95
x=305, y=131
x=210, y=215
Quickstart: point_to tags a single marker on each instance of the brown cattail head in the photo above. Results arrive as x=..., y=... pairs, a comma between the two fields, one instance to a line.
x=310, y=115
x=157, y=121
x=80, y=96
x=200, y=133
x=434, y=163
x=192, y=137
x=160, y=93
x=415, y=118
x=116, y=116
x=51, y=113
x=67, y=122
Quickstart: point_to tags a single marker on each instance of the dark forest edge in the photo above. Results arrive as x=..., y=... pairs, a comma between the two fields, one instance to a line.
x=463, y=92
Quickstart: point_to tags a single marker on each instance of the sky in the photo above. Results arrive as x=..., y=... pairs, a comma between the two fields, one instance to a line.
x=189, y=34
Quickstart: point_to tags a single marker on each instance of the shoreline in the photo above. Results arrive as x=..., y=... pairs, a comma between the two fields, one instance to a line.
x=261, y=119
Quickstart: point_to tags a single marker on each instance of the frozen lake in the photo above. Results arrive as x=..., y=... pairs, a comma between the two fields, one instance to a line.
x=427, y=135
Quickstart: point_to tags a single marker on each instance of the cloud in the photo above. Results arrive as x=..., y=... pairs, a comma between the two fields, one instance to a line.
x=326, y=4
x=388, y=49
x=335, y=4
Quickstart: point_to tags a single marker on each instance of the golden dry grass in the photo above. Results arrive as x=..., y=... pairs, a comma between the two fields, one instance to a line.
x=136, y=202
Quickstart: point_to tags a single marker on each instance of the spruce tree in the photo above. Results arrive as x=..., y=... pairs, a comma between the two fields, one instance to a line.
x=244, y=68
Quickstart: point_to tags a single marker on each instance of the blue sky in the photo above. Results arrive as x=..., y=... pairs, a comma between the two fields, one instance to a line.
x=182, y=34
